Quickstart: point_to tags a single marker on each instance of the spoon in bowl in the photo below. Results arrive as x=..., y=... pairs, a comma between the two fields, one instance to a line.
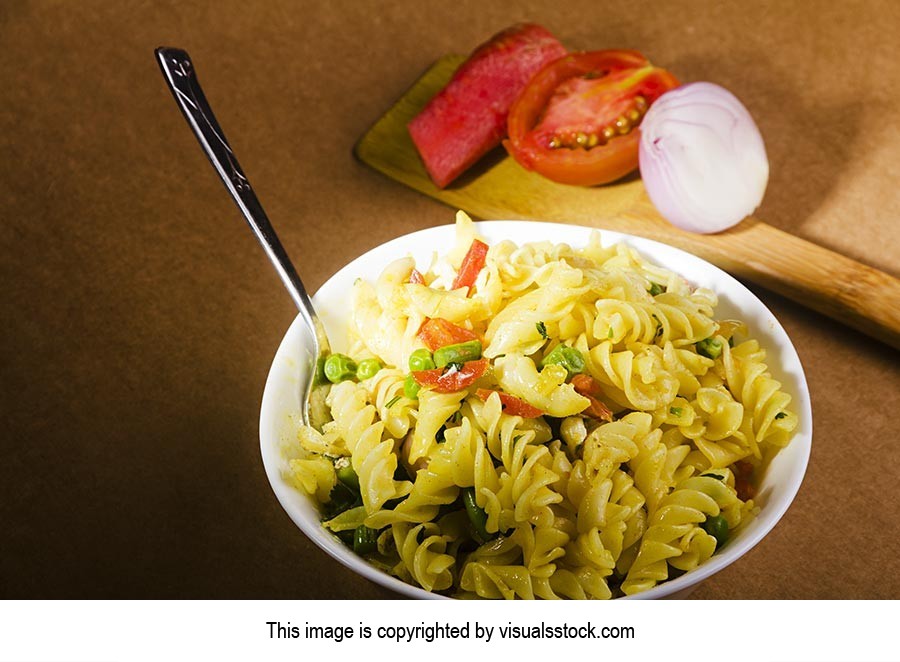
x=181, y=77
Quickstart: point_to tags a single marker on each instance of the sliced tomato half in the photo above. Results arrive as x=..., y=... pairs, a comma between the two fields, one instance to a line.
x=437, y=333
x=577, y=121
x=451, y=379
x=511, y=404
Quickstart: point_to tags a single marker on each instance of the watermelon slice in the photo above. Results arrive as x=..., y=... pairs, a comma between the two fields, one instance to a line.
x=467, y=118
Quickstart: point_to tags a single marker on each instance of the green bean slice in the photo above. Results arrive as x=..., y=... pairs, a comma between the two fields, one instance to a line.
x=710, y=347
x=568, y=357
x=466, y=351
x=364, y=540
x=476, y=514
x=346, y=474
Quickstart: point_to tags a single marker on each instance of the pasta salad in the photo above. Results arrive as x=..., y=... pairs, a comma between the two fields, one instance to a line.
x=540, y=421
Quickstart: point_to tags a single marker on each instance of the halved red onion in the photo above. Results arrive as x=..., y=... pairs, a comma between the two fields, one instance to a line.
x=702, y=158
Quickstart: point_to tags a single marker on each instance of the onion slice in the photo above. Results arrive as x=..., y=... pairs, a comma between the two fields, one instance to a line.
x=702, y=158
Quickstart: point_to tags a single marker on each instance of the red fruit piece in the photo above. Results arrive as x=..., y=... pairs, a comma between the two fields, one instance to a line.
x=467, y=118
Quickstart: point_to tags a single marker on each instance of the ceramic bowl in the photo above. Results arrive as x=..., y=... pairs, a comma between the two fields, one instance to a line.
x=280, y=404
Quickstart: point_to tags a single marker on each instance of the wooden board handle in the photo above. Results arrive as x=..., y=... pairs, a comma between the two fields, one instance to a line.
x=835, y=285
x=497, y=188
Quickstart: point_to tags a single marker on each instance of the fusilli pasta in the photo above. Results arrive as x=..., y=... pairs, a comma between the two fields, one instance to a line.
x=571, y=425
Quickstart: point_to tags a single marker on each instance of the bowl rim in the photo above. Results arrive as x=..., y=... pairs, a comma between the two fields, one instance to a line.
x=771, y=514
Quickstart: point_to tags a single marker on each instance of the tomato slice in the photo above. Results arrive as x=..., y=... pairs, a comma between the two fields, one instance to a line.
x=467, y=119
x=511, y=404
x=416, y=277
x=471, y=266
x=437, y=333
x=577, y=121
x=588, y=387
x=452, y=379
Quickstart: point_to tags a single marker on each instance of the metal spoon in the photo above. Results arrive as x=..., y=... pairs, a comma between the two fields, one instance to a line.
x=179, y=73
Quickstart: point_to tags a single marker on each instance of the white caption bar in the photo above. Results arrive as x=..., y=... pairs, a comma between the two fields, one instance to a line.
x=268, y=630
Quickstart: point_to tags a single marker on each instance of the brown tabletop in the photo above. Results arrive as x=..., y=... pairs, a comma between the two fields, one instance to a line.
x=140, y=316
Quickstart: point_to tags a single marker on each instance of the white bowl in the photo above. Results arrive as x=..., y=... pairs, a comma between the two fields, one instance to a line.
x=278, y=419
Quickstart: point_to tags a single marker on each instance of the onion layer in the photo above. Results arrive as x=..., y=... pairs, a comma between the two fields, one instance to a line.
x=702, y=158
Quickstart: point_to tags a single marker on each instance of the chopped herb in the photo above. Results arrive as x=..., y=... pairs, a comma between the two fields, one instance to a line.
x=659, y=326
x=542, y=329
x=780, y=415
x=716, y=476
x=656, y=288
x=609, y=334
x=390, y=403
x=676, y=411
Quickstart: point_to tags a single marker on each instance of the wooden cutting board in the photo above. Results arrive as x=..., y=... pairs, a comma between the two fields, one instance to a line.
x=498, y=188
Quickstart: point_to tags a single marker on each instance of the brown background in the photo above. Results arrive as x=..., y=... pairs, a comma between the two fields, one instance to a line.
x=139, y=316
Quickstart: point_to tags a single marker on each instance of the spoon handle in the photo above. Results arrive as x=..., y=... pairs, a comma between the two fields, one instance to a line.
x=179, y=73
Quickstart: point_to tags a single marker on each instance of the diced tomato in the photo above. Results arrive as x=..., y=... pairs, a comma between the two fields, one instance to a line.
x=437, y=333
x=416, y=278
x=743, y=473
x=588, y=387
x=471, y=266
x=744, y=488
x=511, y=404
x=743, y=468
x=467, y=119
x=450, y=380
x=585, y=384
x=597, y=409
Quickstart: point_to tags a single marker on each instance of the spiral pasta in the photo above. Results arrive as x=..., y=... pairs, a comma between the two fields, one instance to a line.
x=555, y=422
x=372, y=459
x=674, y=536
